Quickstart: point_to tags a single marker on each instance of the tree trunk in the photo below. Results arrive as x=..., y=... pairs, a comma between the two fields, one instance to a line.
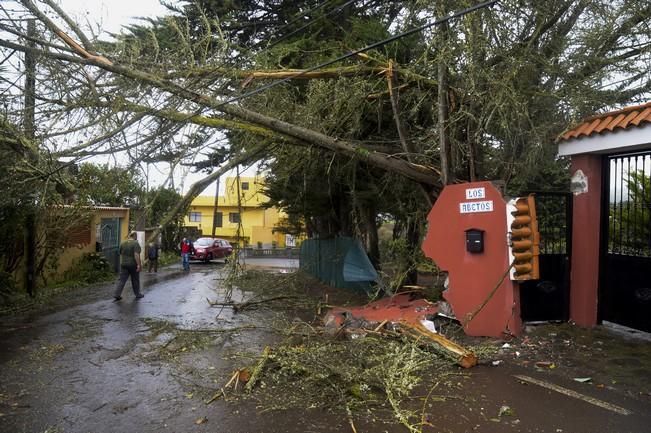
x=443, y=109
x=472, y=149
x=413, y=243
x=372, y=240
x=29, y=130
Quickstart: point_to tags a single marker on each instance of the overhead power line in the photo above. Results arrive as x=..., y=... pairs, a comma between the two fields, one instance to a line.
x=439, y=21
x=301, y=15
x=310, y=23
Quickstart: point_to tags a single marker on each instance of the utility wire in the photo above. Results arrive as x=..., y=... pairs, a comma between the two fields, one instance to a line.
x=333, y=11
x=298, y=17
x=361, y=50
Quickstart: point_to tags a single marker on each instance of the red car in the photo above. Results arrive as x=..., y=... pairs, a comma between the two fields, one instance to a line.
x=207, y=249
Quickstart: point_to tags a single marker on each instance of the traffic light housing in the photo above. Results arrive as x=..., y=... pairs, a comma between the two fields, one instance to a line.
x=524, y=239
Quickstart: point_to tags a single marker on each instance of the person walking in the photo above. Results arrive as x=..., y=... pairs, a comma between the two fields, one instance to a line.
x=152, y=256
x=186, y=249
x=129, y=267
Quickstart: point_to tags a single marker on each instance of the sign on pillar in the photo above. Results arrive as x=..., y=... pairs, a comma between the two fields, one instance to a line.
x=467, y=237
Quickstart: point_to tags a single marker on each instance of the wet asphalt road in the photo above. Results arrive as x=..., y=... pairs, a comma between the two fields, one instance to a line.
x=95, y=368
x=86, y=369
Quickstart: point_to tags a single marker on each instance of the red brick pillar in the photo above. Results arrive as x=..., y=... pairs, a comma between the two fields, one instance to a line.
x=586, y=231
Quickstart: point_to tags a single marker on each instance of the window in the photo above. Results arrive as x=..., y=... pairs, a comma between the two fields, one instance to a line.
x=245, y=186
x=217, y=219
x=234, y=217
x=195, y=217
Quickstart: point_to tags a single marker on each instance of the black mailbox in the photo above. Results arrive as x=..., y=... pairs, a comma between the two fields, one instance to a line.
x=475, y=241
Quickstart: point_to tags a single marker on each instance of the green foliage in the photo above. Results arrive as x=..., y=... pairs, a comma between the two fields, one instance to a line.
x=630, y=219
x=89, y=269
x=7, y=287
x=168, y=258
x=518, y=74
x=34, y=188
x=400, y=260
x=103, y=185
x=159, y=202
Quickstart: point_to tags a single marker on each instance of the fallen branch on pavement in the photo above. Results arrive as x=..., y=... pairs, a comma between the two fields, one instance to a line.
x=219, y=394
x=464, y=357
x=258, y=369
x=237, y=307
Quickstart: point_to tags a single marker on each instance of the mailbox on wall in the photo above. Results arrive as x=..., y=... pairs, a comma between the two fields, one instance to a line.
x=475, y=241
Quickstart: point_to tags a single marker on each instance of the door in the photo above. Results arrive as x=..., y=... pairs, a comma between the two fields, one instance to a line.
x=547, y=299
x=110, y=239
x=625, y=278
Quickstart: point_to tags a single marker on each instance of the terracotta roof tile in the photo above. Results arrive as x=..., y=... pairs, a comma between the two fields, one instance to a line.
x=614, y=122
x=593, y=126
x=603, y=124
x=625, y=118
x=632, y=115
x=643, y=116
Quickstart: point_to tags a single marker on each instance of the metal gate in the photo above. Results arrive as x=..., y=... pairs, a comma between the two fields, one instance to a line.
x=625, y=279
x=110, y=240
x=547, y=299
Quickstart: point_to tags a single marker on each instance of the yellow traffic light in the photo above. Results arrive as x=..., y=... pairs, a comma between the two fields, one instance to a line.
x=525, y=239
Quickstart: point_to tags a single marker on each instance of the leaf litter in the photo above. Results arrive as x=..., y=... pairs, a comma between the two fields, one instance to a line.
x=376, y=376
x=369, y=374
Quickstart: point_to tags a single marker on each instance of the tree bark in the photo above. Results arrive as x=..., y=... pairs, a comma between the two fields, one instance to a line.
x=471, y=138
x=407, y=147
x=372, y=244
x=443, y=111
x=445, y=149
x=413, y=242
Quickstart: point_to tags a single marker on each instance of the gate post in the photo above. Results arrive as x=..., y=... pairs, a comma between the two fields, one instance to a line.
x=467, y=237
x=586, y=233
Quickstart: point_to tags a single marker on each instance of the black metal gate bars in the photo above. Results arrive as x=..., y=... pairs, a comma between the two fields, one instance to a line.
x=625, y=280
x=548, y=298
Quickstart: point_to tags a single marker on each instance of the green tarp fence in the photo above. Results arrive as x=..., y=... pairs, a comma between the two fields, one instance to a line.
x=339, y=262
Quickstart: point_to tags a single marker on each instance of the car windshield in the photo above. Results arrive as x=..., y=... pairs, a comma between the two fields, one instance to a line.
x=204, y=242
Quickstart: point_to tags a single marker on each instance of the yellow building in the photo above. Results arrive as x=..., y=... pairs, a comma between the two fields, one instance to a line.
x=255, y=223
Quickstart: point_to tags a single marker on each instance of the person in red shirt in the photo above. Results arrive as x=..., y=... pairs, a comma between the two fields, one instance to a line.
x=186, y=250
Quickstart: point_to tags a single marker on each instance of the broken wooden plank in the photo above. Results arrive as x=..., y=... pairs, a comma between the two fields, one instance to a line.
x=463, y=356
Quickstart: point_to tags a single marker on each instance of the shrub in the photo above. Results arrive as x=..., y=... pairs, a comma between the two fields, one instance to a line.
x=168, y=257
x=91, y=268
x=7, y=287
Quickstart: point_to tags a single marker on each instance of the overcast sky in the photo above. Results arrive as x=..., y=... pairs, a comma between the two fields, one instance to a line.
x=112, y=14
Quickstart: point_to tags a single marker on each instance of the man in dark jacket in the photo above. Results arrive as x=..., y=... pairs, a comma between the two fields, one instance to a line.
x=129, y=267
x=152, y=256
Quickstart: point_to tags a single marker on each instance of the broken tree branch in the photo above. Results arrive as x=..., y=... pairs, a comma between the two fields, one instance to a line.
x=255, y=374
x=464, y=357
x=237, y=307
x=78, y=49
x=416, y=172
